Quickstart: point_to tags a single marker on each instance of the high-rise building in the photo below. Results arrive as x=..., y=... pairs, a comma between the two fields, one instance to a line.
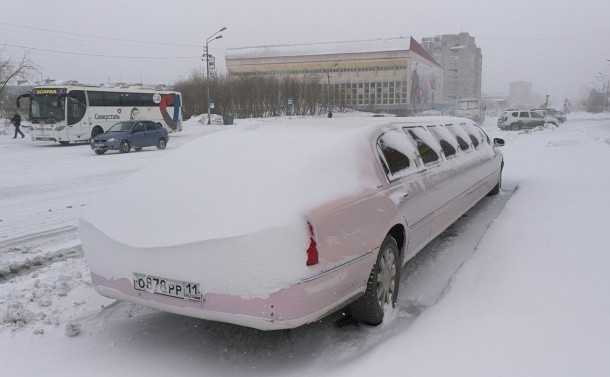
x=520, y=94
x=462, y=62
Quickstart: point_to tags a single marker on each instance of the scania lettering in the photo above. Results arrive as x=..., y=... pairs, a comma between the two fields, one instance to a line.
x=74, y=112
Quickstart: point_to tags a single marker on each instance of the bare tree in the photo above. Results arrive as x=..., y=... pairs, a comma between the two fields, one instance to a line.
x=12, y=71
x=258, y=96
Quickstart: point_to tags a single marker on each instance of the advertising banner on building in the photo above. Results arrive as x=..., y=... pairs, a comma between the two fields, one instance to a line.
x=426, y=84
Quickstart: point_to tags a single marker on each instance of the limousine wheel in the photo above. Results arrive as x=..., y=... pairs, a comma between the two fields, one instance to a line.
x=496, y=189
x=498, y=186
x=382, y=286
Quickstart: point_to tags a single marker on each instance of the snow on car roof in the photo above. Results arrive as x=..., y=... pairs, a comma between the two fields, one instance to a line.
x=240, y=181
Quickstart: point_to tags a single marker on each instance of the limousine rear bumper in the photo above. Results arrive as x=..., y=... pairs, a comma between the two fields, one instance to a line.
x=299, y=304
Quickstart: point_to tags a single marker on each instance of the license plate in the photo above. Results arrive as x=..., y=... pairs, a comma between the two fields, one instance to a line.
x=98, y=145
x=167, y=287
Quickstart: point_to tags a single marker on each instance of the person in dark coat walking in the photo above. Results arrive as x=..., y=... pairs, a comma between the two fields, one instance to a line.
x=16, y=120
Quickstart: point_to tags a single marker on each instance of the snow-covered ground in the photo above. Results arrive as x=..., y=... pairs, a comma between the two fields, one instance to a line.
x=517, y=287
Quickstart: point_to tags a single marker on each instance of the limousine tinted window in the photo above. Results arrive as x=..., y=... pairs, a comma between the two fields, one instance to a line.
x=395, y=150
x=427, y=153
x=445, y=139
x=472, y=134
x=460, y=135
x=483, y=135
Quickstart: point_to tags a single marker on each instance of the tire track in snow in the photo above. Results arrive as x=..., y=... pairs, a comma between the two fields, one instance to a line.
x=33, y=251
x=39, y=261
x=52, y=234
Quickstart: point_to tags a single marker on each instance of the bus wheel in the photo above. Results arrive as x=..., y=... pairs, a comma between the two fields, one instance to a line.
x=97, y=130
x=125, y=147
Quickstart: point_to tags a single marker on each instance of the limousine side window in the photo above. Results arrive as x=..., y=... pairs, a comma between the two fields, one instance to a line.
x=472, y=133
x=424, y=144
x=445, y=139
x=396, y=154
x=484, y=136
x=460, y=135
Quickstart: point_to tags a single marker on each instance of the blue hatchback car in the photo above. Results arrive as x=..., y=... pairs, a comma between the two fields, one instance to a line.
x=135, y=134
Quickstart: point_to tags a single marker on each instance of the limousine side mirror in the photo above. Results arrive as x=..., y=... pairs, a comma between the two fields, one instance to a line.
x=498, y=142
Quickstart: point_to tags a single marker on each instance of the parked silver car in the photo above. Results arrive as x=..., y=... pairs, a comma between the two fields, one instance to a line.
x=523, y=119
x=559, y=115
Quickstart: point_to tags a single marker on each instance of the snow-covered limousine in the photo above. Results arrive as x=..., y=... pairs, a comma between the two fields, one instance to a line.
x=273, y=226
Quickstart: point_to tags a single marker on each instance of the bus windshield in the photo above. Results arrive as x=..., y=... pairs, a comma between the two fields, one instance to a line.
x=46, y=107
x=467, y=105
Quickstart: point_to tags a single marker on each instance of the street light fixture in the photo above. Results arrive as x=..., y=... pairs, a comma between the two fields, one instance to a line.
x=207, y=63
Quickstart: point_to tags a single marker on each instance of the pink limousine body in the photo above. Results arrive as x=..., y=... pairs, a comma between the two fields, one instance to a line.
x=275, y=226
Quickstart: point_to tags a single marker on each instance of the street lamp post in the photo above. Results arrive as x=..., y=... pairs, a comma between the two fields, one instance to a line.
x=605, y=81
x=207, y=63
x=328, y=83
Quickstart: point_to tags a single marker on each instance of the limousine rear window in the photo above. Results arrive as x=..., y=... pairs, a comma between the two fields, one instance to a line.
x=395, y=159
x=396, y=153
x=427, y=153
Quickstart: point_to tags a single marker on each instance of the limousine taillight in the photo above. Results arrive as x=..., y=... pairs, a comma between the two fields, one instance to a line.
x=312, y=250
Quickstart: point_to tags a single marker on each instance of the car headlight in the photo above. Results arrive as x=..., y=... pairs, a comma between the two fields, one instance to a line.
x=60, y=128
x=112, y=139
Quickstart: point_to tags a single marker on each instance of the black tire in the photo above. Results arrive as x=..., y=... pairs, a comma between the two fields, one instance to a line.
x=497, y=187
x=100, y=151
x=514, y=127
x=125, y=147
x=382, y=286
x=97, y=130
x=162, y=143
x=64, y=142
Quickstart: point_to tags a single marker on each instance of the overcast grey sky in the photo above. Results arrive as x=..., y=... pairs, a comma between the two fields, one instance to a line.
x=558, y=45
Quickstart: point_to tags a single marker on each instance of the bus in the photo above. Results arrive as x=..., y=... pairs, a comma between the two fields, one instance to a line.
x=471, y=108
x=78, y=112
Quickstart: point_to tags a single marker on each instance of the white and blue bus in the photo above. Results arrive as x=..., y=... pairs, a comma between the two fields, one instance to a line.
x=77, y=112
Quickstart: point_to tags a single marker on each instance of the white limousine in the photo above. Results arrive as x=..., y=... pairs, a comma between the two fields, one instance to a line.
x=276, y=225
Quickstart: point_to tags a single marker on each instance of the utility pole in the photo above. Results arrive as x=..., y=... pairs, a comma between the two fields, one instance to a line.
x=207, y=64
x=328, y=70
